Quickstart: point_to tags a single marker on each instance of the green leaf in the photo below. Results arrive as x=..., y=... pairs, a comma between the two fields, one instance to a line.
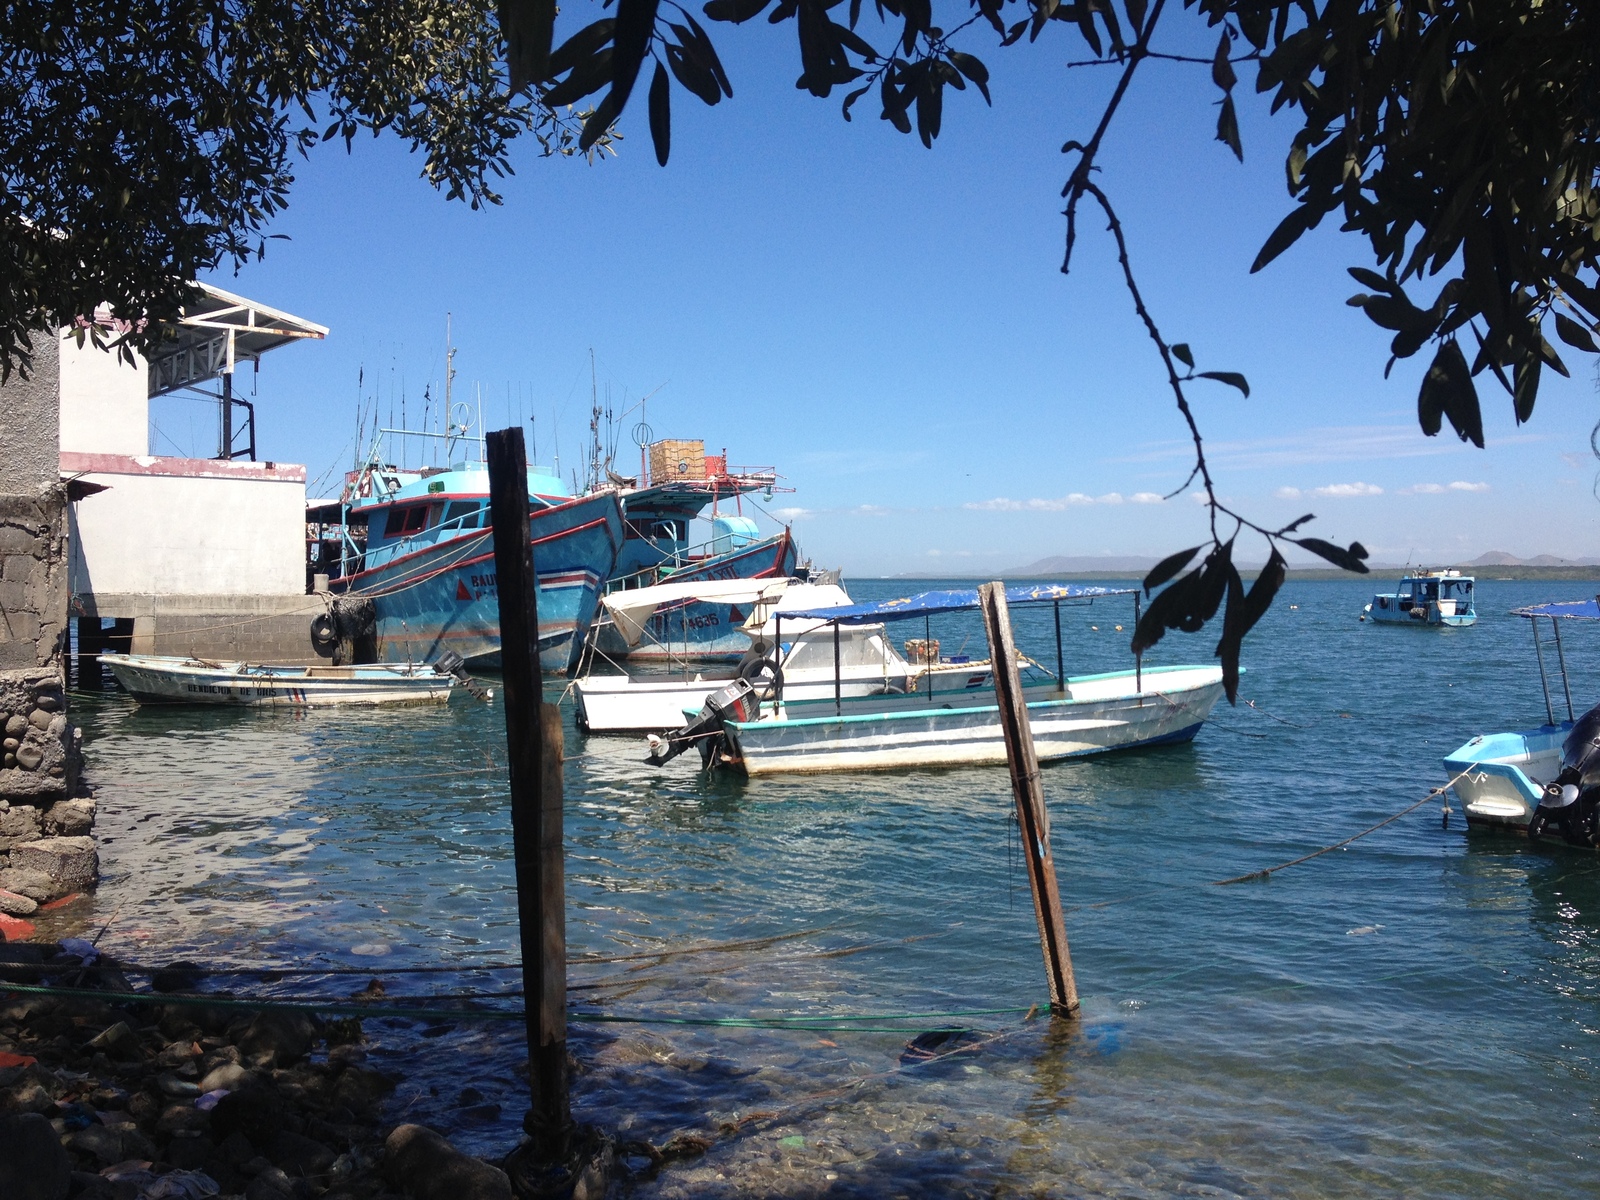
x=582, y=45
x=1371, y=279
x=1228, y=128
x=599, y=120
x=1349, y=559
x=1168, y=567
x=974, y=70
x=853, y=97
x=1231, y=378
x=1135, y=10
x=1180, y=351
x=1447, y=391
x=588, y=76
x=1575, y=335
x=528, y=27
x=661, y=114
x=1221, y=69
x=736, y=11
x=693, y=74
x=636, y=22
x=1301, y=218
x=1526, y=372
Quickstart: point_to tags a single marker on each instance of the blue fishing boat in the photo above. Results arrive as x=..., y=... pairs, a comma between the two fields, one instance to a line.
x=427, y=562
x=1426, y=598
x=678, y=482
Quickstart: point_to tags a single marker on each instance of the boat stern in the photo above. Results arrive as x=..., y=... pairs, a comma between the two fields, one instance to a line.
x=1499, y=776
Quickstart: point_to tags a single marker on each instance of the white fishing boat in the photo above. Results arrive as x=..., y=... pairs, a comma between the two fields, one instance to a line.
x=655, y=703
x=806, y=661
x=952, y=718
x=167, y=679
x=1500, y=777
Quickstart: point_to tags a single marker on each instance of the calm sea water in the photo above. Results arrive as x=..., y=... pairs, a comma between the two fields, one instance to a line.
x=1414, y=1015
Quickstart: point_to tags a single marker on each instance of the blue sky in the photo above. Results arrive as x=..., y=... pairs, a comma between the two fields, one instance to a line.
x=889, y=328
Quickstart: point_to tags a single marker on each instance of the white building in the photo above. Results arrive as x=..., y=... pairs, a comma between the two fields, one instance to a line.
x=184, y=555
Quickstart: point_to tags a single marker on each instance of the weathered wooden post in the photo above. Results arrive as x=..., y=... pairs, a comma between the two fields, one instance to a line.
x=1032, y=819
x=533, y=754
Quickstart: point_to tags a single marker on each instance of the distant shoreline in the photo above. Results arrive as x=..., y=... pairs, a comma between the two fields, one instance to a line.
x=1313, y=574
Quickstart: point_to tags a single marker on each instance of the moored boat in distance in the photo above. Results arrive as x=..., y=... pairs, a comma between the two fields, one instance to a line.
x=1426, y=598
x=169, y=679
x=950, y=716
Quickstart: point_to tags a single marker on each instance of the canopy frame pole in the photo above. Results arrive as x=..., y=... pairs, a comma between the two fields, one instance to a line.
x=1555, y=628
x=838, y=697
x=1061, y=670
x=1544, y=679
x=1138, y=657
x=777, y=658
x=927, y=643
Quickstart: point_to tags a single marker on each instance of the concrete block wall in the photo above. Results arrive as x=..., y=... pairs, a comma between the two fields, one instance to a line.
x=33, y=578
x=33, y=570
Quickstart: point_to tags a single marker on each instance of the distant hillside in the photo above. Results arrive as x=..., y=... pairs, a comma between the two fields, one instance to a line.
x=1499, y=558
x=1496, y=564
x=1080, y=565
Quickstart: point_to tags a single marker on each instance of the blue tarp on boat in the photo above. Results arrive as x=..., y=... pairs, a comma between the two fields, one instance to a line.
x=956, y=600
x=1577, y=610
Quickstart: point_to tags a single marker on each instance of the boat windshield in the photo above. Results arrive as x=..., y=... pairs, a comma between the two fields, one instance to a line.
x=857, y=648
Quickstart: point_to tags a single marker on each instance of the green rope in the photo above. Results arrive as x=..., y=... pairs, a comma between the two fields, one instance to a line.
x=837, y=1024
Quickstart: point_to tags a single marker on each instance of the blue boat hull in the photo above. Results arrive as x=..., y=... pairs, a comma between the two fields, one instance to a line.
x=444, y=597
x=699, y=631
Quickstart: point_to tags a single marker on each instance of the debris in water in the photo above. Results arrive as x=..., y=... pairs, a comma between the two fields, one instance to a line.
x=370, y=949
x=1362, y=931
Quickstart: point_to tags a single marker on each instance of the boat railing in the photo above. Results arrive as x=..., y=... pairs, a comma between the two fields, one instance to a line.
x=679, y=559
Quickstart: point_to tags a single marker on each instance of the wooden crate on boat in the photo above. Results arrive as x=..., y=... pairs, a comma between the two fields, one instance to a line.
x=922, y=650
x=673, y=458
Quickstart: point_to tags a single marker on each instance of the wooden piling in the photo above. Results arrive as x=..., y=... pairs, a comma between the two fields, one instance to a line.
x=533, y=754
x=1032, y=819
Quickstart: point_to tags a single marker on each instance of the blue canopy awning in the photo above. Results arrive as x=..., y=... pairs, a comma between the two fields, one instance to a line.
x=927, y=603
x=1577, y=610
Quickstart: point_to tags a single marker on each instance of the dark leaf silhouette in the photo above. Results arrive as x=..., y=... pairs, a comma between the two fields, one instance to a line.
x=1167, y=568
x=1231, y=378
x=661, y=114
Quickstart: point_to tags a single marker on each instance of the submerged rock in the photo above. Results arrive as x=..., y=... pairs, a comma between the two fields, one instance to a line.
x=427, y=1167
x=71, y=864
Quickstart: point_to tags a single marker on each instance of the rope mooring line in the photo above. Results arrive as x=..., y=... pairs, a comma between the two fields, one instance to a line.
x=1267, y=872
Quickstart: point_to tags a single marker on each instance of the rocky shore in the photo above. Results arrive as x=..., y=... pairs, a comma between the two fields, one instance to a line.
x=106, y=1100
x=47, y=851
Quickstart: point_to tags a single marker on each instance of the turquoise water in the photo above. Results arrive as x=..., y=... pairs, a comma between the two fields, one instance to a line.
x=1414, y=1015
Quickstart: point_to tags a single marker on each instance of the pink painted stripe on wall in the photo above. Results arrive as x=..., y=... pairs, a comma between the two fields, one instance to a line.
x=74, y=462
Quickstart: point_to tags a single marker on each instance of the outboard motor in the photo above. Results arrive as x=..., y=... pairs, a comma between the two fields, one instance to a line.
x=738, y=701
x=451, y=663
x=1571, y=801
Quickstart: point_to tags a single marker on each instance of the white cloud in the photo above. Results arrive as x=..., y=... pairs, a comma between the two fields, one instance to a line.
x=1199, y=498
x=792, y=514
x=1336, y=491
x=1439, y=489
x=1333, y=443
x=870, y=510
x=1060, y=503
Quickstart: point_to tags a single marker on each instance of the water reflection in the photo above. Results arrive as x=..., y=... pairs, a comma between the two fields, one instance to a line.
x=1391, y=1019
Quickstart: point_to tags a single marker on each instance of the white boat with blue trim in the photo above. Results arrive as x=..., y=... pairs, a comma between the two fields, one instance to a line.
x=1501, y=778
x=950, y=716
x=1426, y=598
x=169, y=679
